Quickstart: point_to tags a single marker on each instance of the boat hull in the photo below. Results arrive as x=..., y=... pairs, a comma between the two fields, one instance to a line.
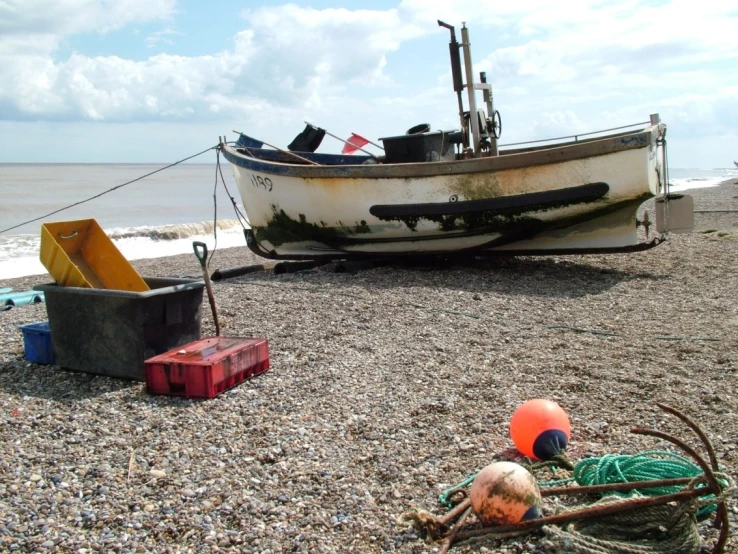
x=573, y=196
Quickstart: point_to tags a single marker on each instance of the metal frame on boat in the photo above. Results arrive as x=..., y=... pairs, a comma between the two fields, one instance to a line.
x=458, y=192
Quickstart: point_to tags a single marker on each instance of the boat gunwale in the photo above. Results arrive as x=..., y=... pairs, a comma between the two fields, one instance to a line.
x=522, y=149
x=535, y=156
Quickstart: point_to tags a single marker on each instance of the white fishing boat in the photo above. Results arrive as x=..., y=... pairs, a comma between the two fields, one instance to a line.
x=453, y=192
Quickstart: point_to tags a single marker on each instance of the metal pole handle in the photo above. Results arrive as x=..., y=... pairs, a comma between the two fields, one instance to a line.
x=201, y=252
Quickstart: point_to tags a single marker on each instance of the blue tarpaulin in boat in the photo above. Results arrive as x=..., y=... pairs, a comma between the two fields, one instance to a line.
x=245, y=141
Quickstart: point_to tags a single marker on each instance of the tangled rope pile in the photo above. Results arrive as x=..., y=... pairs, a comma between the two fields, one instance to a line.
x=650, y=503
x=647, y=466
x=663, y=529
x=654, y=530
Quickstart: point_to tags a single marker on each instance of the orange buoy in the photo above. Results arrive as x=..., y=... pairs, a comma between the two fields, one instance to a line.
x=540, y=429
x=505, y=493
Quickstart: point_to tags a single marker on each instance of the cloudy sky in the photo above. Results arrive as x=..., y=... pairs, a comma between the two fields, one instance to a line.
x=158, y=80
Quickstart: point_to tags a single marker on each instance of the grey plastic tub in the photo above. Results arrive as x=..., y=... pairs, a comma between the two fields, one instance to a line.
x=419, y=147
x=110, y=332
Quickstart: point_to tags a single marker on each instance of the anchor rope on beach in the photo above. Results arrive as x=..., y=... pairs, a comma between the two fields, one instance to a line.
x=611, y=334
x=606, y=334
x=108, y=191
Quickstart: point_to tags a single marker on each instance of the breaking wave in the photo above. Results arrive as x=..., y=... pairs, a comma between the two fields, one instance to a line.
x=19, y=254
x=174, y=231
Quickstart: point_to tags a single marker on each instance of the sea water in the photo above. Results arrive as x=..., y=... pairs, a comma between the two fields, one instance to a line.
x=682, y=179
x=159, y=215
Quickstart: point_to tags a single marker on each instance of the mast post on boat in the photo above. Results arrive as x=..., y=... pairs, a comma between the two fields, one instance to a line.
x=474, y=118
x=487, y=96
x=453, y=48
x=482, y=126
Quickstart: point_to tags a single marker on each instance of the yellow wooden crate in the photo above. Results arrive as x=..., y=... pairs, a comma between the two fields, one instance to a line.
x=80, y=254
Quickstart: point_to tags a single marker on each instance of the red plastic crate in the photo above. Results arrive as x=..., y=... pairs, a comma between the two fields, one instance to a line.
x=206, y=367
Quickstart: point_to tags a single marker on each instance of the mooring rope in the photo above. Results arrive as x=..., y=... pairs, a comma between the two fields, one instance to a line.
x=242, y=217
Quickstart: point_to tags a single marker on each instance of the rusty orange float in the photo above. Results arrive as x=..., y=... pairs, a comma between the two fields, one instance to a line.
x=505, y=493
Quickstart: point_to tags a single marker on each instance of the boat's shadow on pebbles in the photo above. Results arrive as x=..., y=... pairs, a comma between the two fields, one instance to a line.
x=528, y=276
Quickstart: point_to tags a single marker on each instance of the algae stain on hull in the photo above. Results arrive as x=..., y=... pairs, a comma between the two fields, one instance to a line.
x=476, y=187
x=514, y=223
x=282, y=229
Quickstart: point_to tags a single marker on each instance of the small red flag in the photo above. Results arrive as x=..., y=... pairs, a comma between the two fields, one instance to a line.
x=353, y=143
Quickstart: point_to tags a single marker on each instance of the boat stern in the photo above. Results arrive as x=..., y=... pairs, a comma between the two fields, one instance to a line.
x=674, y=212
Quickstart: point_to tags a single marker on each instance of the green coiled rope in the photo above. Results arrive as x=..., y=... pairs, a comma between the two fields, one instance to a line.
x=614, y=468
x=647, y=466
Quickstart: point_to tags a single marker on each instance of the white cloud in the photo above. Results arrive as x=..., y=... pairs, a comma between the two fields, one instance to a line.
x=290, y=53
x=289, y=57
x=616, y=63
x=160, y=37
x=32, y=86
x=555, y=71
x=59, y=18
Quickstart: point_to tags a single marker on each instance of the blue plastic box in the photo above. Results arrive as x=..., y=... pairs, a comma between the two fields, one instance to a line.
x=37, y=342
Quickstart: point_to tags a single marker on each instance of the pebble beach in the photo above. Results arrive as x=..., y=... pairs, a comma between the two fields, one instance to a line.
x=387, y=386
